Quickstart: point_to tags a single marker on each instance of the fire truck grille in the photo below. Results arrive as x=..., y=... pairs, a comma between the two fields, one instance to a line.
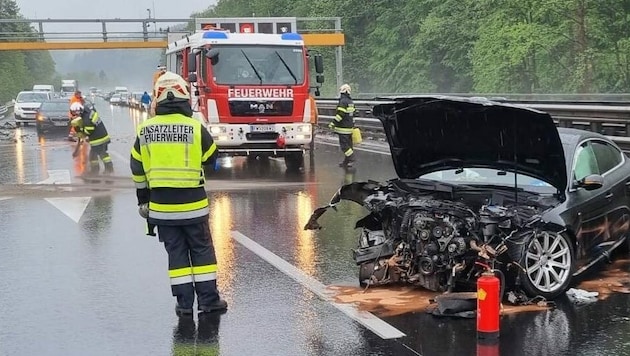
x=261, y=108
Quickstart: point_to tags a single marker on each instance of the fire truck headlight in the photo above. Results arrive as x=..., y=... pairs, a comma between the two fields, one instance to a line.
x=304, y=128
x=217, y=129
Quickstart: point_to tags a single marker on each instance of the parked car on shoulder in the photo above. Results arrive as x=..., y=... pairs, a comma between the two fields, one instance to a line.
x=26, y=104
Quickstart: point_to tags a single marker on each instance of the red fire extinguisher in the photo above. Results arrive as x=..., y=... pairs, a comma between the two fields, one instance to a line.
x=488, y=306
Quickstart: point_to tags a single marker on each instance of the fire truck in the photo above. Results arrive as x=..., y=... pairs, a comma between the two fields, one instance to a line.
x=251, y=90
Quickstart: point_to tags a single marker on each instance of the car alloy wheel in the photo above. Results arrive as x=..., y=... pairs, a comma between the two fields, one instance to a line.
x=548, y=263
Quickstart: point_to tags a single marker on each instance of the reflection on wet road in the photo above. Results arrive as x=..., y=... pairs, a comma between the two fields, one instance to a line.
x=99, y=286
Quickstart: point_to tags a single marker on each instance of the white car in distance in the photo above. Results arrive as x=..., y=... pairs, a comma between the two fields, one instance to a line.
x=25, y=106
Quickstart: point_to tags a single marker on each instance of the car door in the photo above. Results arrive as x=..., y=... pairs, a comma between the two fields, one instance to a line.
x=587, y=208
x=610, y=161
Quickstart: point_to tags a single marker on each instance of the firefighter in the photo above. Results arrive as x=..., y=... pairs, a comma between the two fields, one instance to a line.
x=343, y=125
x=76, y=98
x=87, y=123
x=167, y=162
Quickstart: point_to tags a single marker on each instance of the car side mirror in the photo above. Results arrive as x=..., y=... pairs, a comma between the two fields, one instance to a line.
x=213, y=55
x=591, y=182
x=319, y=64
x=192, y=62
x=13, y=101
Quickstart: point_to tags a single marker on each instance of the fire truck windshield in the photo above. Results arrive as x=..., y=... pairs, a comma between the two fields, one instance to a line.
x=259, y=64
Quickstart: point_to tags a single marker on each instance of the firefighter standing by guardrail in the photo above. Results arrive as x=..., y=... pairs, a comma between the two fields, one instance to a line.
x=343, y=125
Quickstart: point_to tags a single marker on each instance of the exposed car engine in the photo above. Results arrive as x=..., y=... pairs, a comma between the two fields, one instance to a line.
x=431, y=241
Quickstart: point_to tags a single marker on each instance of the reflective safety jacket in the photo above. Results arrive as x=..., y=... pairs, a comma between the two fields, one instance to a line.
x=167, y=162
x=344, y=119
x=90, y=125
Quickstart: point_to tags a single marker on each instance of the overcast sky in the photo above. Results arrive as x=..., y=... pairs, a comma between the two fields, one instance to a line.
x=109, y=9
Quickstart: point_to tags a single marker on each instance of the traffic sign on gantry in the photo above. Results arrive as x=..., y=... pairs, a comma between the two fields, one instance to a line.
x=277, y=25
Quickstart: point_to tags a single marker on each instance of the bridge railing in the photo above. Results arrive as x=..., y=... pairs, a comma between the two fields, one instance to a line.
x=610, y=119
x=99, y=29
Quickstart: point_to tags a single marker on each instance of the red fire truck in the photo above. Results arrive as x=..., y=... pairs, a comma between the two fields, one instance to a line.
x=251, y=90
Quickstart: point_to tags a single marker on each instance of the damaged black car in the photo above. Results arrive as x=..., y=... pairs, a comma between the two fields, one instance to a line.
x=487, y=186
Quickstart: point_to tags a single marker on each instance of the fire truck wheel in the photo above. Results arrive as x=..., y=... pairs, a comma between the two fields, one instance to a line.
x=294, y=161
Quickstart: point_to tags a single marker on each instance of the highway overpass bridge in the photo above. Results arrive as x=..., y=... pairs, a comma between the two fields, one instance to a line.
x=153, y=32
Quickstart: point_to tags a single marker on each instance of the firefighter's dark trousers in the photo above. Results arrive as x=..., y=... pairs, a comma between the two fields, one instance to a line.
x=97, y=152
x=192, y=264
x=345, y=143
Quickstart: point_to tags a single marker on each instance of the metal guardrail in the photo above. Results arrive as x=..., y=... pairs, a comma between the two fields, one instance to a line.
x=610, y=120
x=4, y=109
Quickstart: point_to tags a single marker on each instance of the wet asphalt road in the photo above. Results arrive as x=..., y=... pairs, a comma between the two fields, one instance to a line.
x=91, y=283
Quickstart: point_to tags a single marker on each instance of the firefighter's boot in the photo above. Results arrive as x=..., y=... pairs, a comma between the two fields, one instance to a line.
x=350, y=160
x=94, y=168
x=109, y=168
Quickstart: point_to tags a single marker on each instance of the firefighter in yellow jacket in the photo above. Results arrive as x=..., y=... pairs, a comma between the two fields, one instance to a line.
x=167, y=162
x=343, y=124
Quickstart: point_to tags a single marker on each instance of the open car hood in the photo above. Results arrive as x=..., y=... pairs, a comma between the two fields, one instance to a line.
x=430, y=133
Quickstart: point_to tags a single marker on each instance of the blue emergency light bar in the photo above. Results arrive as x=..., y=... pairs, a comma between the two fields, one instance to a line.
x=221, y=35
x=291, y=36
x=215, y=35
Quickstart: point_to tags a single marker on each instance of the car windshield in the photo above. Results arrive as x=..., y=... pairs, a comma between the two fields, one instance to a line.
x=255, y=64
x=31, y=97
x=67, y=89
x=54, y=106
x=488, y=176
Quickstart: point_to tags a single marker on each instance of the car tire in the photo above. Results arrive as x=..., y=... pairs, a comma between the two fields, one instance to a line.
x=548, y=262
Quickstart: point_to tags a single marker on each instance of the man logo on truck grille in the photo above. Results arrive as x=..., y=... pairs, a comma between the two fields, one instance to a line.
x=261, y=107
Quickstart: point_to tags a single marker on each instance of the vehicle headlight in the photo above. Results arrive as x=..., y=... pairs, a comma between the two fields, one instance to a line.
x=218, y=129
x=304, y=128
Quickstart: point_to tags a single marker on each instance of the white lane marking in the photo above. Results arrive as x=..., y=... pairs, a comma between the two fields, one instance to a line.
x=57, y=176
x=119, y=156
x=356, y=148
x=5, y=198
x=367, y=319
x=72, y=207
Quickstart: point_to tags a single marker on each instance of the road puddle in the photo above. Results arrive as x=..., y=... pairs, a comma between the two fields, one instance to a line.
x=386, y=301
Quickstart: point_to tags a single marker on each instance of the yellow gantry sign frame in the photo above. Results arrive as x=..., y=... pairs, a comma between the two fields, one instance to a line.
x=310, y=39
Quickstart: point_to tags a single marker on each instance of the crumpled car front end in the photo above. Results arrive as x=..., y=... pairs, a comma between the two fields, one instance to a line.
x=441, y=233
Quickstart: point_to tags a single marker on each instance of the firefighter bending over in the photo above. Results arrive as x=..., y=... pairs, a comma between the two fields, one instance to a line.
x=167, y=162
x=88, y=124
x=343, y=125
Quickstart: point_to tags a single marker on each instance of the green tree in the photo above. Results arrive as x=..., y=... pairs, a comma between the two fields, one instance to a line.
x=20, y=70
x=507, y=46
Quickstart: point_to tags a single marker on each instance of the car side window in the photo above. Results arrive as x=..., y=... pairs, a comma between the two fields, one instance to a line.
x=585, y=162
x=608, y=156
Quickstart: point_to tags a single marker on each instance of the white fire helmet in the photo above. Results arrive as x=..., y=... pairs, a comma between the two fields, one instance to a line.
x=76, y=108
x=171, y=86
x=345, y=89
